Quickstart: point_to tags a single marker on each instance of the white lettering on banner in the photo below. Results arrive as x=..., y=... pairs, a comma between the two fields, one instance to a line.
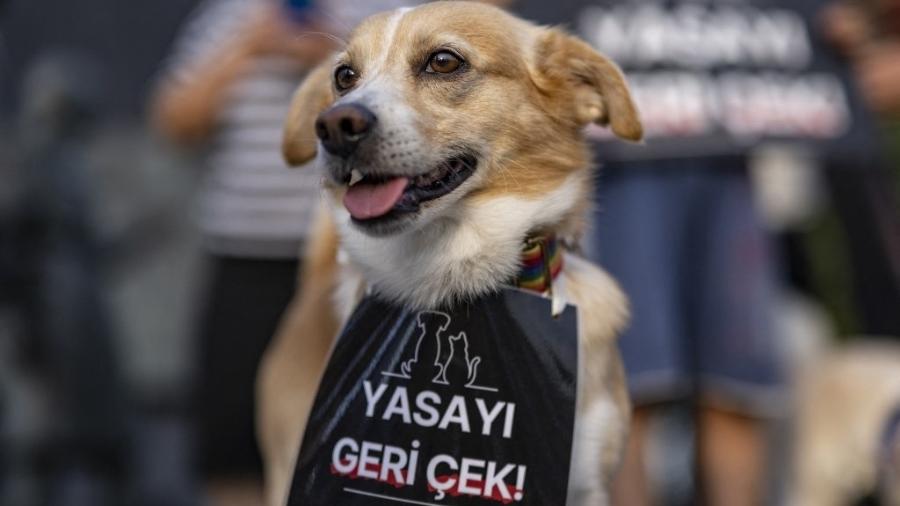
x=443, y=478
x=441, y=486
x=391, y=467
x=399, y=405
x=456, y=413
x=429, y=411
x=507, y=424
x=488, y=416
x=427, y=408
x=739, y=70
x=445, y=473
x=777, y=105
x=448, y=362
x=496, y=481
x=372, y=397
x=375, y=461
x=696, y=36
x=469, y=480
x=745, y=105
x=367, y=460
x=345, y=463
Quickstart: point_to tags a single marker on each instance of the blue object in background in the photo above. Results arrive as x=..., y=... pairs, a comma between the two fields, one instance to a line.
x=298, y=10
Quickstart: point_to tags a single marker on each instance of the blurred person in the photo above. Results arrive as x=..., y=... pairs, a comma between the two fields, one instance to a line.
x=868, y=203
x=55, y=263
x=684, y=239
x=227, y=88
x=9, y=198
x=889, y=460
x=6, y=269
x=679, y=223
x=4, y=72
x=869, y=34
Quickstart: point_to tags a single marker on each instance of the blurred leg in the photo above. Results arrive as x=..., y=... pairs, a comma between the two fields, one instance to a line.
x=246, y=299
x=235, y=491
x=639, y=239
x=739, y=362
x=631, y=487
x=732, y=455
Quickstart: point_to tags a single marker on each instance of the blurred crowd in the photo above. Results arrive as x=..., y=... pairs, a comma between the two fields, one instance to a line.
x=150, y=238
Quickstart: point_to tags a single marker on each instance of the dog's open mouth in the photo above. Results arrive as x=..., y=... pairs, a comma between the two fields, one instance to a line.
x=380, y=197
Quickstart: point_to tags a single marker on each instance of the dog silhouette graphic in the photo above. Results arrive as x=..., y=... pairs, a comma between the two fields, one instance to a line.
x=439, y=358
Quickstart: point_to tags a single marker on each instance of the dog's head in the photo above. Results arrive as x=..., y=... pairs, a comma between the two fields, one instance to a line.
x=430, y=110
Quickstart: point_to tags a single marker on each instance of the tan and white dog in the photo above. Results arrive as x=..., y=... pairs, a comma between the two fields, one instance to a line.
x=447, y=134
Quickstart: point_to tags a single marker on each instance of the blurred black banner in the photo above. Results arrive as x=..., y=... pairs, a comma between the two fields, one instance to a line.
x=717, y=77
x=472, y=405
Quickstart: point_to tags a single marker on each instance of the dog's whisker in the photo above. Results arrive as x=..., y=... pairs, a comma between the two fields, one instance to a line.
x=340, y=42
x=505, y=170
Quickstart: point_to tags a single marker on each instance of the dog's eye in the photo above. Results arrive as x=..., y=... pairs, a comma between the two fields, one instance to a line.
x=345, y=77
x=443, y=62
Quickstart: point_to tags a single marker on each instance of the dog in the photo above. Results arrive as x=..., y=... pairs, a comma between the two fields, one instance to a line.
x=448, y=134
x=847, y=426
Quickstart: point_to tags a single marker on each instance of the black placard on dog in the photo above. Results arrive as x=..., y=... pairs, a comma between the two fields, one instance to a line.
x=472, y=405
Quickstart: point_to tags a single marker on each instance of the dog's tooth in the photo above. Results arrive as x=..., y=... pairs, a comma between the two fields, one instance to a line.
x=355, y=176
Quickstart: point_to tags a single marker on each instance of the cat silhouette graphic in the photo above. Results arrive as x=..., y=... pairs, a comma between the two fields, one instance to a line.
x=439, y=358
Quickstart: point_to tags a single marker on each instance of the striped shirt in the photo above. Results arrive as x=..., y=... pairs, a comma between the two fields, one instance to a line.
x=251, y=204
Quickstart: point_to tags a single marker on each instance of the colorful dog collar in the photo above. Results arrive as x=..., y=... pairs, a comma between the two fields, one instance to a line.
x=542, y=261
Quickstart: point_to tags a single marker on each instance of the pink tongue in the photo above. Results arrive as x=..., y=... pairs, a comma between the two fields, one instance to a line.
x=366, y=201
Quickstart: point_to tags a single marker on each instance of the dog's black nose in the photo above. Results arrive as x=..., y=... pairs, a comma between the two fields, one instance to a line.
x=342, y=127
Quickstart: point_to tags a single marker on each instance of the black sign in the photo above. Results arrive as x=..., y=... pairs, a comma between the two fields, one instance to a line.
x=470, y=405
x=717, y=77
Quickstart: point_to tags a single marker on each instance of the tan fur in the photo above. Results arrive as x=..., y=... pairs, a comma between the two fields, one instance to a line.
x=532, y=75
x=290, y=369
x=522, y=106
x=843, y=402
x=308, y=101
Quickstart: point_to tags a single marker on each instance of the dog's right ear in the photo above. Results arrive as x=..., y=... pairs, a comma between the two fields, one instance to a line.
x=313, y=97
x=590, y=88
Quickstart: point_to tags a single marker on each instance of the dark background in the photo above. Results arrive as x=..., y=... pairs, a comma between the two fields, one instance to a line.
x=129, y=37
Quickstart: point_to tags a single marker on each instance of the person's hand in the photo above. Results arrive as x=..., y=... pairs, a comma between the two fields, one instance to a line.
x=878, y=72
x=271, y=32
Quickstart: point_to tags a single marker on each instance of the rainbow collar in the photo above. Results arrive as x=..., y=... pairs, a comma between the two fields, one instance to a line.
x=542, y=261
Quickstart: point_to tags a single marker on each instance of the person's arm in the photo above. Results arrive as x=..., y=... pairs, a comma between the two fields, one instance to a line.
x=875, y=58
x=878, y=72
x=186, y=110
x=846, y=26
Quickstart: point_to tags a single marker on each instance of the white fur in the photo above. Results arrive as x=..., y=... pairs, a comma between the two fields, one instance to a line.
x=468, y=252
x=603, y=411
x=590, y=439
x=390, y=33
x=350, y=288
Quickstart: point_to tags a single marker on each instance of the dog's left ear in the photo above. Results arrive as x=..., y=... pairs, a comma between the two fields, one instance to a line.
x=598, y=90
x=314, y=96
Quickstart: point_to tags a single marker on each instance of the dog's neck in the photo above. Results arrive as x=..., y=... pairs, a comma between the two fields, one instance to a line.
x=462, y=256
